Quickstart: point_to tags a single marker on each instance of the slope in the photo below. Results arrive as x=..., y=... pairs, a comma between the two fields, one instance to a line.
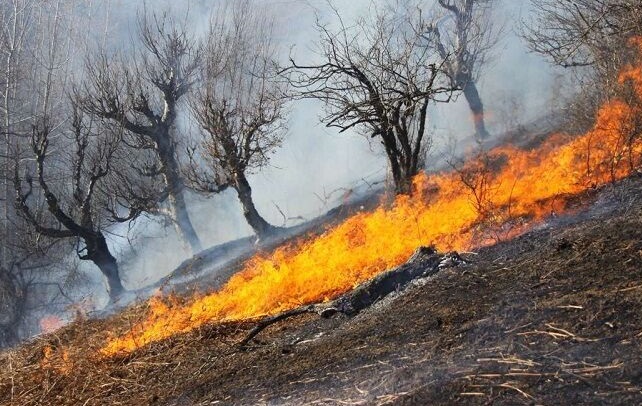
x=549, y=317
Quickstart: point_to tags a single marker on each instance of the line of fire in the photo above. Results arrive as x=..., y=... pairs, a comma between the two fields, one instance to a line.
x=270, y=202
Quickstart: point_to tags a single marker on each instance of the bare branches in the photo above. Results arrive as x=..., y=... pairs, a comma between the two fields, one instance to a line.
x=140, y=98
x=379, y=78
x=89, y=156
x=582, y=32
x=592, y=37
x=239, y=106
x=464, y=33
x=172, y=59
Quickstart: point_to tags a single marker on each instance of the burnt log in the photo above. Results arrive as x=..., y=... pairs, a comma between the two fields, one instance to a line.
x=425, y=261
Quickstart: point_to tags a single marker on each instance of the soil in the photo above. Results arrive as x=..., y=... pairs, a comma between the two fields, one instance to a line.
x=551, y=317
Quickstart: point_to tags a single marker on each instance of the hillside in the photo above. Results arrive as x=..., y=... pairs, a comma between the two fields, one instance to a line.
x=550, y=317
x=166, y=172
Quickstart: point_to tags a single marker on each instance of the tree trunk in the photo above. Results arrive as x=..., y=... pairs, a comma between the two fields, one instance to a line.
x=474, y=102
x=260, y=226
x=402, y=176
x=423, y=263
x=98, y=253
x=403, y=168
x=183, y=222
x=403, y=186
x=174, y=183
x=401, y=181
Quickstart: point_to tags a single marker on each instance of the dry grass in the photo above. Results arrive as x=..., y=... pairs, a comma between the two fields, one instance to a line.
x=534, y=320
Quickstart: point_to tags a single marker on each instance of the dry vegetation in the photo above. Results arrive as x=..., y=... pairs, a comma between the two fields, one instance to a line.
x=550, y=317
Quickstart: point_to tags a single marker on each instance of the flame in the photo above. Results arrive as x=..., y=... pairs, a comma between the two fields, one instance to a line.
x=56, y=359
x=509, y=190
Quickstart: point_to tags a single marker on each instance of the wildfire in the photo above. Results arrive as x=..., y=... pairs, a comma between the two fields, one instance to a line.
x=495, y=195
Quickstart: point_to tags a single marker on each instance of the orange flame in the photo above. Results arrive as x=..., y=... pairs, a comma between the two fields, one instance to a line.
x=56, y=359
x=507, y=186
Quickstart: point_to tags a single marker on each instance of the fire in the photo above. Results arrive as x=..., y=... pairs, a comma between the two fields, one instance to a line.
x=508, y=187
x=56, y=359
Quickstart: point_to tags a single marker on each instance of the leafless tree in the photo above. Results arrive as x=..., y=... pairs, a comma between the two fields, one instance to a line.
x=65, y=189
x=16, y=34
x=379, y=77
x=239, y=106
x=463, y=34
x=27, y=286
x=37, y=41
x=144, y=98
x=592, y=37
x=584, y=33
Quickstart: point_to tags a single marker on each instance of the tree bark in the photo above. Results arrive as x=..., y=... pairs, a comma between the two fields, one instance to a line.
x=182, y=220
x=260, y=226
x=175, y=186
x=401, y=174
x=476, y=107
x=425, y=261
x=98, y=252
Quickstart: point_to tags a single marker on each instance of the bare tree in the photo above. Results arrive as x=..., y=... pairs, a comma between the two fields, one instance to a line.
x=72, y=196
x=16, y=34
x=593, y=38
x=239, y=106
x=144, y=98
x=463, y=35
x=38, y=40
x=27, y=285
x=584, y=33
x=378, y=77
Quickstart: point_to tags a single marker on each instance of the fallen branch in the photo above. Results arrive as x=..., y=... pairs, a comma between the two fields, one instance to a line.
x=423, y=263
x=265, y=323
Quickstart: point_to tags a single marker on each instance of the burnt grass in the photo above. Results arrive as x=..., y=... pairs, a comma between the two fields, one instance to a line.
x=551, y=317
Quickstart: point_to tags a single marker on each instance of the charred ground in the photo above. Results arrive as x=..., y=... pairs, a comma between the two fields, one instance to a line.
x=551, y=317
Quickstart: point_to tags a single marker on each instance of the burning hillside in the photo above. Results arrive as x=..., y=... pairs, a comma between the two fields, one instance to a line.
x=194, y=341
x=492, y=197
x=546, y=317
x=511, y=276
